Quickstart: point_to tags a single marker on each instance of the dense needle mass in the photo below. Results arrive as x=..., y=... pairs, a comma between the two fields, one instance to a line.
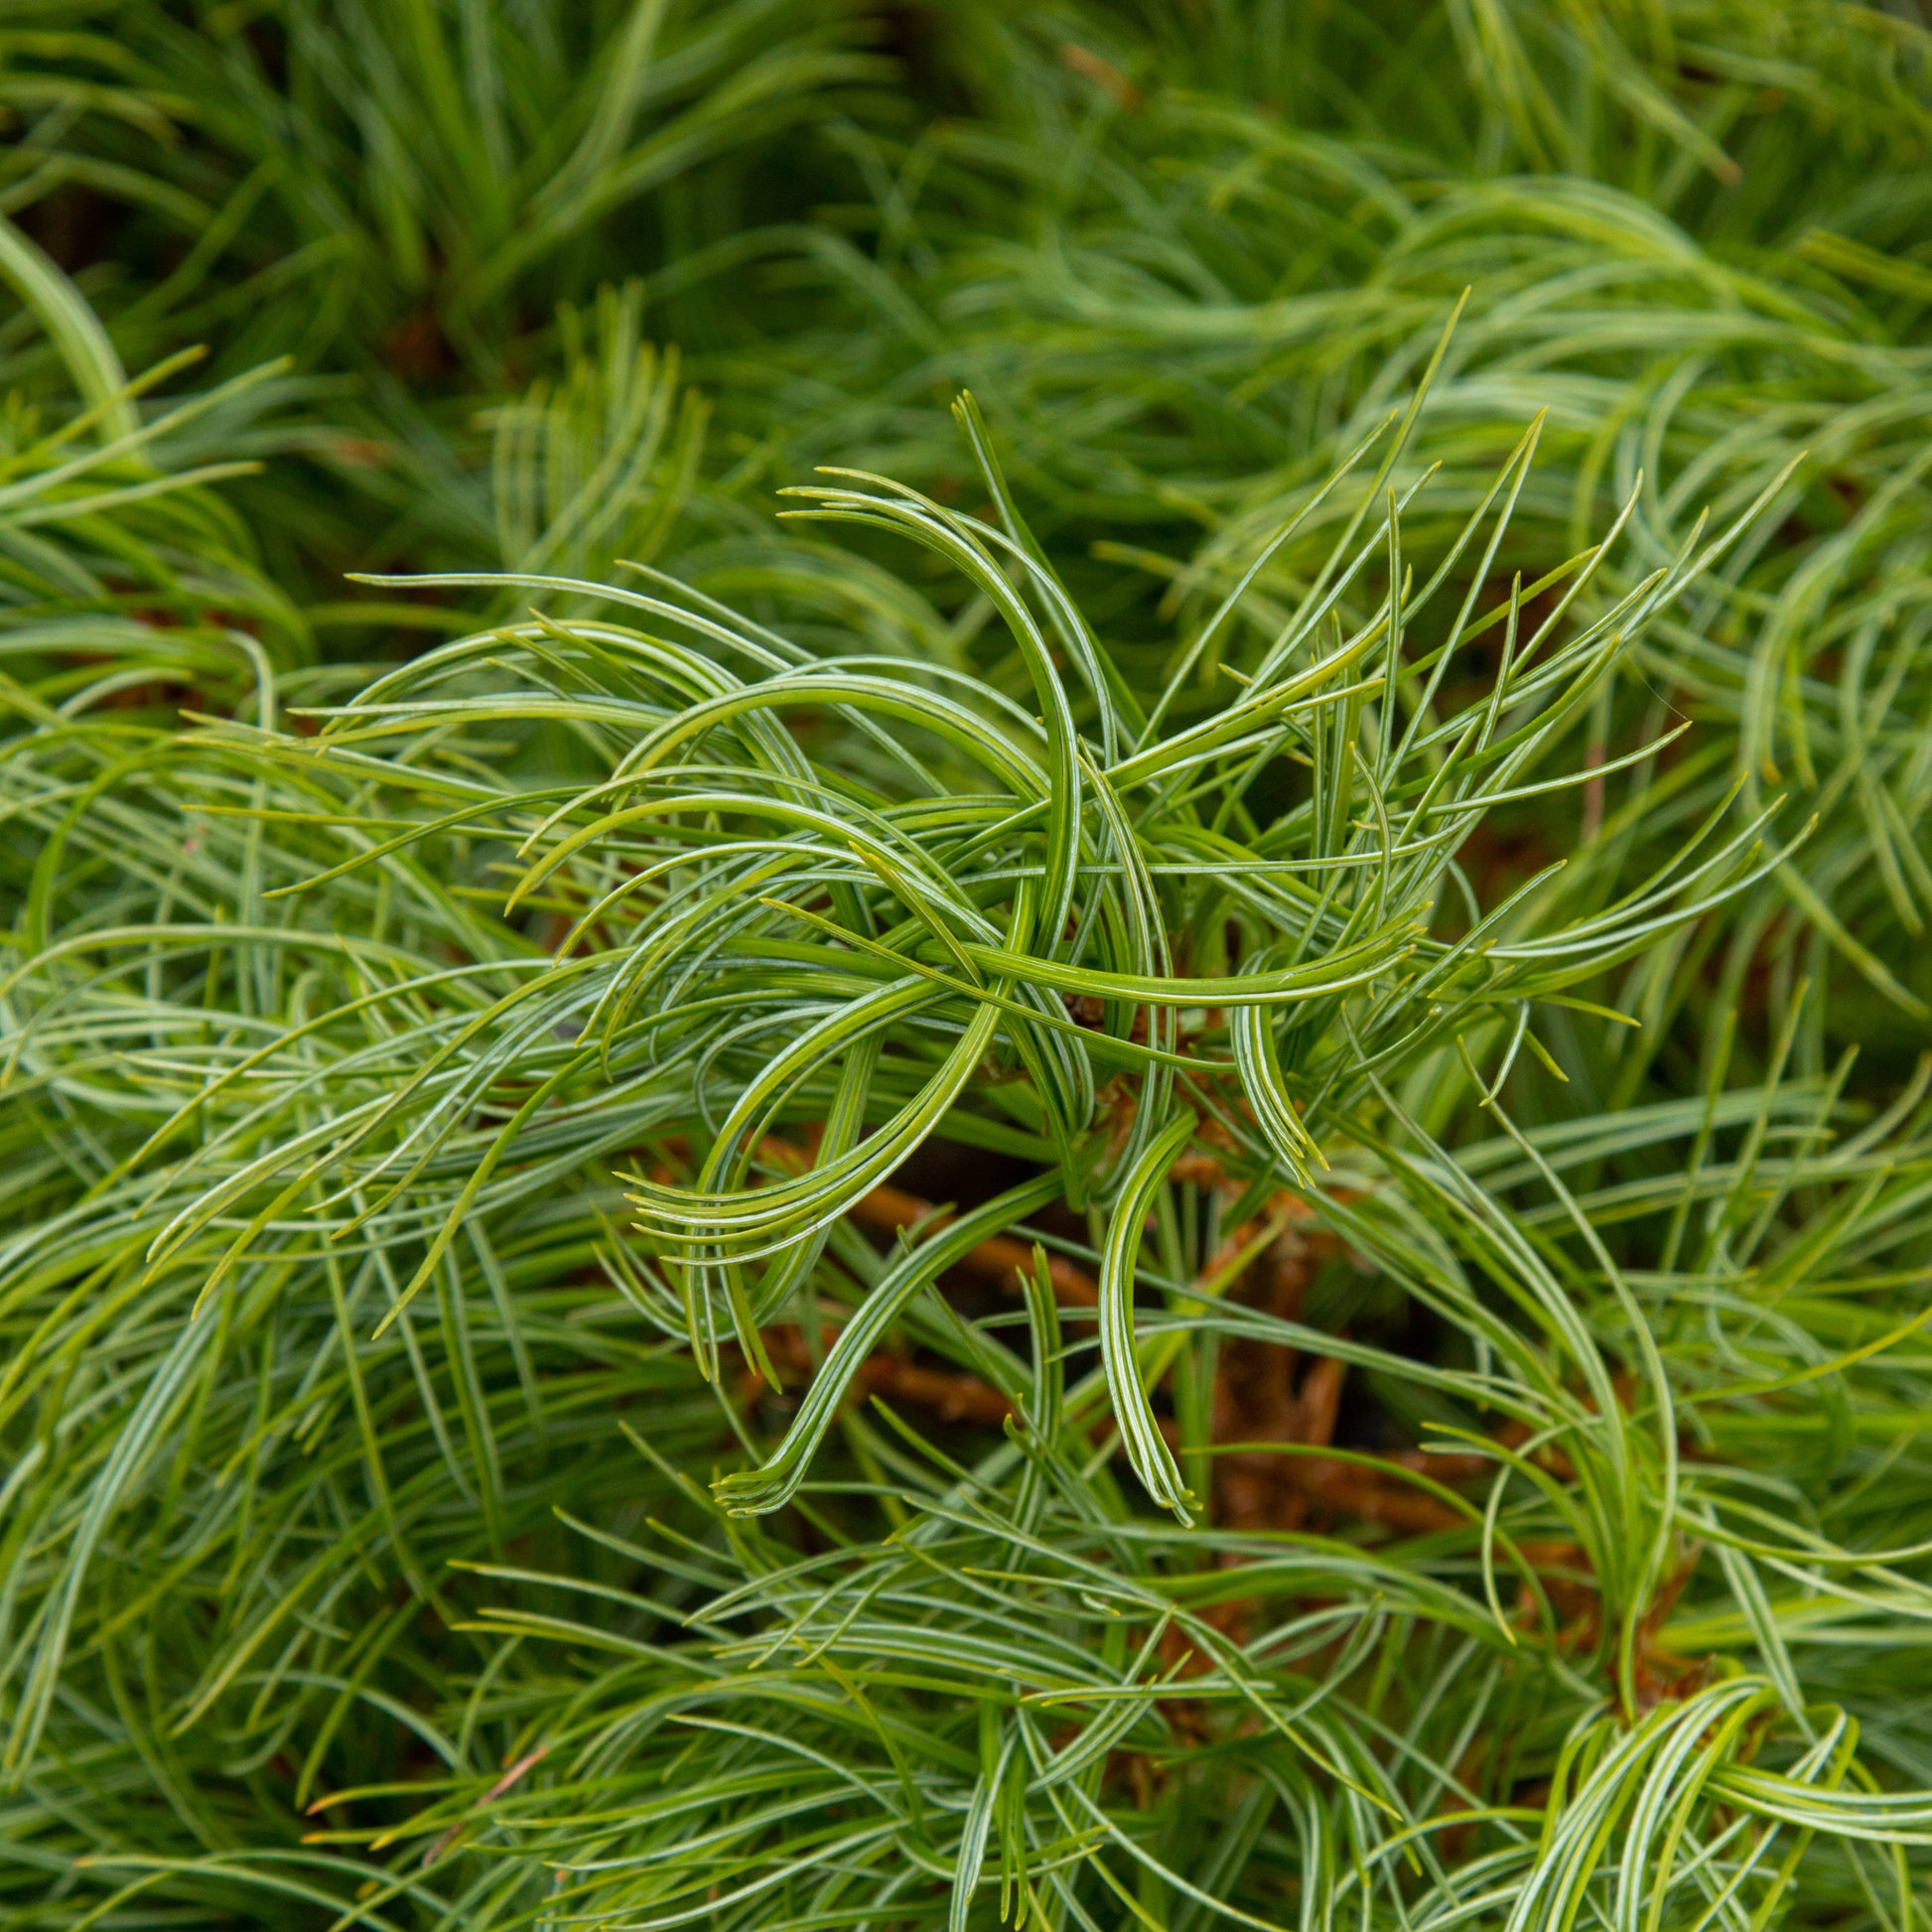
x=1170, y=1164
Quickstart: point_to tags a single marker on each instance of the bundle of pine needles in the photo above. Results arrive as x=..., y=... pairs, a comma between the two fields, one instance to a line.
x=1170, y=1164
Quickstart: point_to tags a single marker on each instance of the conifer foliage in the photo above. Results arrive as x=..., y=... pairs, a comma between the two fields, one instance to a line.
x=965, y=965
